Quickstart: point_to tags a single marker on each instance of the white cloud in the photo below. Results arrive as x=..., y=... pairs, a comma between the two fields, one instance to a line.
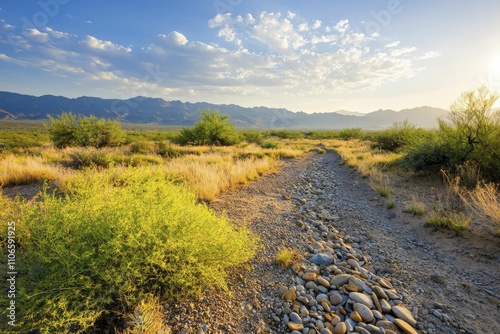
x=97, y=44
x=317, y=24
x=88, y=22
x=36, y=35
x=174, y=38
x=266, y=56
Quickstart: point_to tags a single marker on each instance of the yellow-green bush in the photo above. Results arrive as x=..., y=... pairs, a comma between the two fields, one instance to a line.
x=111, y=238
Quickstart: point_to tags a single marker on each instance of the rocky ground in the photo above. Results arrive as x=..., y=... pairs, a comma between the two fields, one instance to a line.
x=365, y=268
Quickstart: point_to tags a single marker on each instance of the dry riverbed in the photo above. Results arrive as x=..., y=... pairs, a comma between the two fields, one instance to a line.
x=416, y=278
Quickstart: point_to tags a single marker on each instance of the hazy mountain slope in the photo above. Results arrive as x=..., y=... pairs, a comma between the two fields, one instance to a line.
x=156, y=110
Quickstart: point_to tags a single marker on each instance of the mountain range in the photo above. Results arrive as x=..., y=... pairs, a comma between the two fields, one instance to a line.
x=142, y=109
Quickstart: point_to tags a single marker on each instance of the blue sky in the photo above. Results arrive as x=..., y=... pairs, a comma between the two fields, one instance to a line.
x=314, y=56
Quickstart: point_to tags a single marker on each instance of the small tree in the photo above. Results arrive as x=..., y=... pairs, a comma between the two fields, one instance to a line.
x=68, y=130
x=62, y=130
x=212, y=129
x=473, y=130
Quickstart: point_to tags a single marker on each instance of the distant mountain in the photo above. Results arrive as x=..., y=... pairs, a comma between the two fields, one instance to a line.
x=349, y=113
x=176, y=113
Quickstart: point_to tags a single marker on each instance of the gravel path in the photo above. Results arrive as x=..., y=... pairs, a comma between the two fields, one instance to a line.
x=366, y=269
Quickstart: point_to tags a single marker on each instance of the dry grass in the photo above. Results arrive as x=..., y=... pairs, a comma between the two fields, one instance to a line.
x=380, y=183
x=147, y=318
x=213, y=173
x=16, y=170
x=485, y=201
x=416, y=207
x=287, y=257
x=457, y=221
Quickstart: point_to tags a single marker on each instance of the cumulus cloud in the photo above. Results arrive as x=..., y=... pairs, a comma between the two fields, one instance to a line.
x=36, y=35
x=97, y=44
x=174, y=38
x=266, y=55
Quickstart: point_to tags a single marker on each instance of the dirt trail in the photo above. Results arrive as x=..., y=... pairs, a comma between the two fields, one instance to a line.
x=450, y=282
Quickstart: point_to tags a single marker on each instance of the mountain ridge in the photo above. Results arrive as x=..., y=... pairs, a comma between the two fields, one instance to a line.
x=143, y=109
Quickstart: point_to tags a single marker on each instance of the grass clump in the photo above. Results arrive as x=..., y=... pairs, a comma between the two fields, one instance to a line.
x=287, y=257
x=147, y=318
x=116, y=236
x=391, y=202
x=456, y=221
x=381, y=184
x=416, y=207
x=17, y=170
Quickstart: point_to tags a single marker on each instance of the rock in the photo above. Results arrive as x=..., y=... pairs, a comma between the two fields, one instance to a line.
x=353, y=263
x=335, y=299
x=380, y=292
x=340, y=280
x=323, y=281
x=376, y=302
x=340, y=328
x=386, y=324
x=405, y=326
x=404, y=314
x=312, y=286
x=322, y=258
x=361, y=298
x=384, y=283
x=282, y=290
x=356, y=316
x=321, y=297
x=290, y=295
x=295, y=327
x=365, y=313
x=310, y=276
x=386, y=307
x=294, y=317
x=326, y=331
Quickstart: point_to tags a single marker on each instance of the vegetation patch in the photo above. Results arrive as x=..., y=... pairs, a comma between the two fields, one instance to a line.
x=112, y=238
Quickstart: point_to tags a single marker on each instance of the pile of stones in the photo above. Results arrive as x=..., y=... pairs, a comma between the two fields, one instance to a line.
x=337, y=291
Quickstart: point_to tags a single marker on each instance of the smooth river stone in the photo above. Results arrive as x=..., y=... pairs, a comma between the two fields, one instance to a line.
x=386, y=324
x=335, y=299
x=376, y=302
x=384, y=283
x=340, y=280
x=322, y=258
x=309, y=276
x=386, y=307
x=361, y=298
x=323, y=281
x=295, y=327
x=380, y=292
x=294, y=317
x=404, y=314
x=290, y=295
x=356, y=316
x=405, y=326
x=340, y=328
x=365, y=313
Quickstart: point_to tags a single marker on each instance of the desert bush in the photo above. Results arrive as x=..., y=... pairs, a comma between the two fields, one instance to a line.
x=22, y=139
x=253, y=137
x=286, y=134
x=399, y=136
x=350, y=133
x=212, y=129
x=68, y=130
x=140, y=147
x=432, y=155
x=166, y=150
x=90, y=158
x=112, y=240
x=269, y=144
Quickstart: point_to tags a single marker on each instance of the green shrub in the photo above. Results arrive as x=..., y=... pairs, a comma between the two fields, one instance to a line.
x=212, y=129
x=140, y=147
x=269, y=144
x=84, y=159
x=166, y=150
x=350, y=133
x=68, y=130
x=401, y=135
x=286, y=134
x=430, y=155
x=253, y=137
x=117, y=237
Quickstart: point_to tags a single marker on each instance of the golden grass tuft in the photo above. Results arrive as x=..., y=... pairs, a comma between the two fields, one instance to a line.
x=147, y=318
x=416, y=207
x=17, y=170
x=287, y=257
x=484, y=200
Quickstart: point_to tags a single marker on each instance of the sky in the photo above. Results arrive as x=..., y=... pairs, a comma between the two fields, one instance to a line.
x=314, y=56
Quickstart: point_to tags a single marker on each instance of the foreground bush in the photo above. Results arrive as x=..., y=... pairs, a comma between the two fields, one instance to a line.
x=113, y=239
x=399, y=136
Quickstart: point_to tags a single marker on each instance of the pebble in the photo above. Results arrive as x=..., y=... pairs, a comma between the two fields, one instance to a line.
x=365, y=313
x=405, y=326
x=361, y=298
x=404, y=314
x=340, y=328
